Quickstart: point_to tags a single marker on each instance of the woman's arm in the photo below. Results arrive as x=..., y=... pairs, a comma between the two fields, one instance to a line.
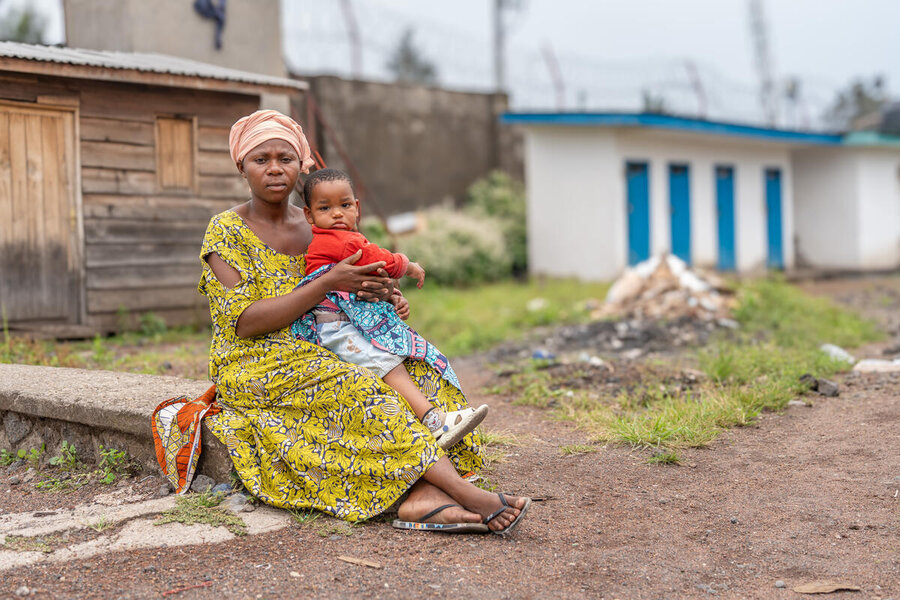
x=271, y=314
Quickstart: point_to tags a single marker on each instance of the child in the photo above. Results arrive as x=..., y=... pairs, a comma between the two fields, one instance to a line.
x=333, y=211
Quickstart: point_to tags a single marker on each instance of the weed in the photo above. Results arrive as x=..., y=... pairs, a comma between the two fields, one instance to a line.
x=6, y=457
x=577, y=449
x=20, y=543
x=331, y=526
x=33, y=456
x=495, y=438
x=114, y=463
x=203, y=508
x=101, y=525
x=152, y=325
x=67, y=457
x=304, y=517
x=664, y=458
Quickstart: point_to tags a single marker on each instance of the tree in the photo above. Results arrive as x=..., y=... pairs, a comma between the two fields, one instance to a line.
x=653, y=103
x=26, y=25
x=858, y=99
x=407, y=65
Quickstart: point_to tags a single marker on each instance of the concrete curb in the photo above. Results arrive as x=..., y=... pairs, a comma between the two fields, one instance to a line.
x=100, y=404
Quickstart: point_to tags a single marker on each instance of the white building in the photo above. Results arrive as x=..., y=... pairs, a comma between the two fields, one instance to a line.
x=607, y=190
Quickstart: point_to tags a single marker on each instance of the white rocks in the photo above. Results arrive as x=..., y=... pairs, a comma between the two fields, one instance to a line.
x=837, y=353
x=877, y=365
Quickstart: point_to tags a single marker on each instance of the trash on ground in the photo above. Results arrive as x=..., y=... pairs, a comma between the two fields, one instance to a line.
x=877, y=365
x=360, y=561
x=663, y=287
x=825, y=587
x=837, y=353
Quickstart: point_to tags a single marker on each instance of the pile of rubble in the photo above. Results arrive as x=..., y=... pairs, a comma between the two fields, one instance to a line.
x=664, y=288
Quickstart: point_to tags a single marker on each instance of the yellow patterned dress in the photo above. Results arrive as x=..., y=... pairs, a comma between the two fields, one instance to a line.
x=304, y=429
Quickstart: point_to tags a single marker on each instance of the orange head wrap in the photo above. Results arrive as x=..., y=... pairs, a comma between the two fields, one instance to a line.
x=264, y=125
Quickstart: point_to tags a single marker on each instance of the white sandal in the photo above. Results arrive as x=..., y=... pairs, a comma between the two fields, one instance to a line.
x=457, y=424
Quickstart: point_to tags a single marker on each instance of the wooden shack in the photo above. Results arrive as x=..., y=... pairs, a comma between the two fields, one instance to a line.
x=111, y=165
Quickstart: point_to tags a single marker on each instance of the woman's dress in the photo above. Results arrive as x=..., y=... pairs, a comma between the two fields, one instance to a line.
x=304, y=429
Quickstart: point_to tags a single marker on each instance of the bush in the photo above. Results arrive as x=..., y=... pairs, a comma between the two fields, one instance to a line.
x=499, y=196
x=458, y=248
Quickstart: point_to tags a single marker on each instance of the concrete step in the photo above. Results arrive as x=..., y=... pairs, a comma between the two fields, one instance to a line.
x=45, y=405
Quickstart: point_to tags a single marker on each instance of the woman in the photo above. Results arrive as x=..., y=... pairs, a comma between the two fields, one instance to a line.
x=304, y=429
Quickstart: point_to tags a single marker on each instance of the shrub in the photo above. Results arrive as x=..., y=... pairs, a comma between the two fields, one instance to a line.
x=500, y=196
x=459, y=248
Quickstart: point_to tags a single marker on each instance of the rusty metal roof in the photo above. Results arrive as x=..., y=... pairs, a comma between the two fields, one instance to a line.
x=142, y=62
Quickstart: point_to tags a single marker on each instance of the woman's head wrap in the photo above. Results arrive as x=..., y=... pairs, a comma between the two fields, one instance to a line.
x=264, y=125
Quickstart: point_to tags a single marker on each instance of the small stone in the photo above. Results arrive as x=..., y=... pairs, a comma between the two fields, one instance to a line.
x=14, y=480
x=796, y=403
x=224, y=488
x=828, y=388
x=167, y=366
x=16, y=426
x=202, y=483
x=734, y=520
x=150, y=569
x=780, y=584
x=163, y=491
x=15, y=465
x=334, y=536
x=706, y=588
x=295, y=574
x=29, y=475
x=234, y=503
x=22, y=591
x=809, y=381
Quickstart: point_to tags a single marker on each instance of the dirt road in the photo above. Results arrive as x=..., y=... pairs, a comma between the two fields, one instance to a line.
x=807, y=495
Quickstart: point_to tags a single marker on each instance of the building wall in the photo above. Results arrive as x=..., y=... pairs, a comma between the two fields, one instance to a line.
x=703, y=153
x=414, y=146
x=576, y=210
x=826, y=201
x=140, y=242
x=577, y=222
x=251, y=39
x=879, y=207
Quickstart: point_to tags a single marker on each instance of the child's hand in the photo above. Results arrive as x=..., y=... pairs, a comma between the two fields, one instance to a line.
x=401, y=305
x=416, y=271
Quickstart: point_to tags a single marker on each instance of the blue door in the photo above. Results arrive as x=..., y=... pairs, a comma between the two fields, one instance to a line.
x=773, y=218
x=680, y=211
x=725, y=217
x=638, y=189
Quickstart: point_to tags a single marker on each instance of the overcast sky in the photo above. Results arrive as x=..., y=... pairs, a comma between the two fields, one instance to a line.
x=608, y=50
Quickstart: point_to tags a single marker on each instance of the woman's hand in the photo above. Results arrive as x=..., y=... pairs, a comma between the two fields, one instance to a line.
x=347, y=277
x=401, y=305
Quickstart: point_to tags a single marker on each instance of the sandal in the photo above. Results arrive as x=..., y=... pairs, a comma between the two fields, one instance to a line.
x=511, y=527
x=457, y=424
x=421, y=525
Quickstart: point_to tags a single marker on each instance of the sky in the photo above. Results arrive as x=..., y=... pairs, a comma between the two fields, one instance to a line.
x=608, y=52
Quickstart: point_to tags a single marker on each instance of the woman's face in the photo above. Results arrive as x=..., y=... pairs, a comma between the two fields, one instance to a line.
x=271, y=169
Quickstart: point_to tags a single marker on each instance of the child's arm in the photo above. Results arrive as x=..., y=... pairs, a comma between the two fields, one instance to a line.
x=416, y=271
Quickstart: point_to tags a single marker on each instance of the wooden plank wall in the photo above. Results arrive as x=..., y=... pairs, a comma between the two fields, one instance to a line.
x=141, y=243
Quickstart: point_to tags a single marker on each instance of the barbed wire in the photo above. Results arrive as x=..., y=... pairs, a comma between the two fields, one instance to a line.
x=316, y=42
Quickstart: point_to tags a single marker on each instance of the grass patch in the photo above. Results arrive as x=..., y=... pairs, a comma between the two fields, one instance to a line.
x=203, y=508
x=101, y=525
x=19, y=543
x=575, y=449
x=462, y=321
x=304, y=516
x=496, y=438
x=664, y=458
x=747, y=372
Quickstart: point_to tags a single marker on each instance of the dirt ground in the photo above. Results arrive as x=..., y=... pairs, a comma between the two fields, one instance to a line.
x=807, y=495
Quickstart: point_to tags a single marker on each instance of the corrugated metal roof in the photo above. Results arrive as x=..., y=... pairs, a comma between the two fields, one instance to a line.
x=146, y=62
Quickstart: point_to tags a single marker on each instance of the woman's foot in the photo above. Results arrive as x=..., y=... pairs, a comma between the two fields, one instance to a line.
x=487, y=504
x=424, y=498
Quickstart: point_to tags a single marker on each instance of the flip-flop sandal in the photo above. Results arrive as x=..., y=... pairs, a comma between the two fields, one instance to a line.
x=420, y=525
x=511, y=527
x=459, y=423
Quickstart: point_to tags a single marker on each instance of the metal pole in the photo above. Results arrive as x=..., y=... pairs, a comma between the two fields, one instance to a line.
x=499, y=47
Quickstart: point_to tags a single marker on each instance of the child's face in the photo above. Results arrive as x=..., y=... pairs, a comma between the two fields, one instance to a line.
x=332, y=206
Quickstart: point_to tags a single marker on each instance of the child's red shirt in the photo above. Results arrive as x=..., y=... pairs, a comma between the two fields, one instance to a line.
x=333, y=245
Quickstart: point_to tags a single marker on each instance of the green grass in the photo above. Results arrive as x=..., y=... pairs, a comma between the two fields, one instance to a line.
x=574, y=449
x=202, y=508
x=664, y=458
x=754, y=370
x=462, y=321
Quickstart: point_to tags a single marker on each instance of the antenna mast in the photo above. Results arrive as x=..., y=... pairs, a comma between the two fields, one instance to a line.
x=760, y=33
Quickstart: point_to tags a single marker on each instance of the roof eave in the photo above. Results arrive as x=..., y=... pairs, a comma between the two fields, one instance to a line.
x=198, y=82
